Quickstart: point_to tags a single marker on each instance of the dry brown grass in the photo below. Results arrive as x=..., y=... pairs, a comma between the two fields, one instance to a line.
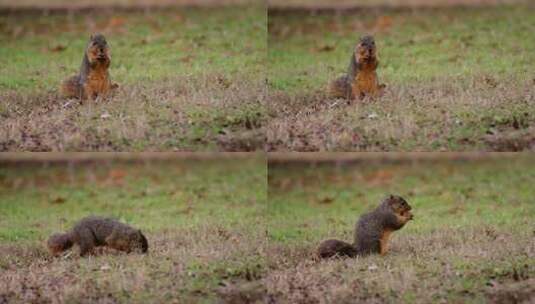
x=176, y=262
x=207, y=113
x=439, y=266
x=479, y=113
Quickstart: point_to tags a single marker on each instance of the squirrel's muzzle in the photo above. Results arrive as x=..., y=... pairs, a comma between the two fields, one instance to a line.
x=103, y=58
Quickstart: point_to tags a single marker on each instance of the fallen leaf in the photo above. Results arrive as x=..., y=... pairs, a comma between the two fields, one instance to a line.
x=58, y=200
x=58, y=48
x=325, y=48
x=326, y=200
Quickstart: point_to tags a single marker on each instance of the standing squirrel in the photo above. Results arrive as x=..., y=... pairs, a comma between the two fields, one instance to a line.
x=94, y=78
x=93, y=231
x=372, y=230
x=361, y=78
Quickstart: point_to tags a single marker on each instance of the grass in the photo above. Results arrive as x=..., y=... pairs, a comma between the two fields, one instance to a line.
x=471, y=240
x=189, y=80
x=452, y=75
x=202, y=219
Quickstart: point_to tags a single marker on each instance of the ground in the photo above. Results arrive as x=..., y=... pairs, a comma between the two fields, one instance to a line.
x=203, y=221
x=188, y=78
x=457, y=79
x=471, y=241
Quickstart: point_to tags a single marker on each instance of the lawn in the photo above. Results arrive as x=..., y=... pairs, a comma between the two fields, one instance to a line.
x=190, y=79
x=471, y=240
x=457, y=79
x=202, y=220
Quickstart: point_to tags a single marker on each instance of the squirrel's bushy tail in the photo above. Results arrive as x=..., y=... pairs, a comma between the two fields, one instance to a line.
x=332, y=247
x=340, y=87
x=71, y=88
x=59, y=242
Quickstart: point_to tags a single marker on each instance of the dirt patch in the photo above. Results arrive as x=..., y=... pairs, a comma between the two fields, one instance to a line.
x=516, y=292
x=244, y=293
x=512, y=140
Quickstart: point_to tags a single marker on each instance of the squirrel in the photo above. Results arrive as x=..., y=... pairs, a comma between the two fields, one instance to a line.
x=93, y=79
x=361, y=78
x=93, y=231
x=372, y=230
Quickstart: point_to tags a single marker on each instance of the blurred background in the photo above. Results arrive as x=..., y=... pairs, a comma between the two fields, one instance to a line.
x=47, y=192
x=386, y=3
x=65, y=4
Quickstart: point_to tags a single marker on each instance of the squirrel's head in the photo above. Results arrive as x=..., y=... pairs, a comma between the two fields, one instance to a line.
x=365, y=49
x=59, y=242
x=399, y=205
x=138, y=242
x=98, y=51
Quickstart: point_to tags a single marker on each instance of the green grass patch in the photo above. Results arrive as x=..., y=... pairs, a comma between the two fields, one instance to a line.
x=41, y=50
x=42, y=200
x=306, y=51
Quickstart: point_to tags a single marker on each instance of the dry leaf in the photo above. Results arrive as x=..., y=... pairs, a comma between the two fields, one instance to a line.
x=325, y=48
x=58, y=200
x=58, y=48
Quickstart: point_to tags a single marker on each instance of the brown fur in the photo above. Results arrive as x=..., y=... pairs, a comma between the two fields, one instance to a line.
x=372, y=231
x=93, y=79
x=361, y=79
x=96, y=231
x=332, y=247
